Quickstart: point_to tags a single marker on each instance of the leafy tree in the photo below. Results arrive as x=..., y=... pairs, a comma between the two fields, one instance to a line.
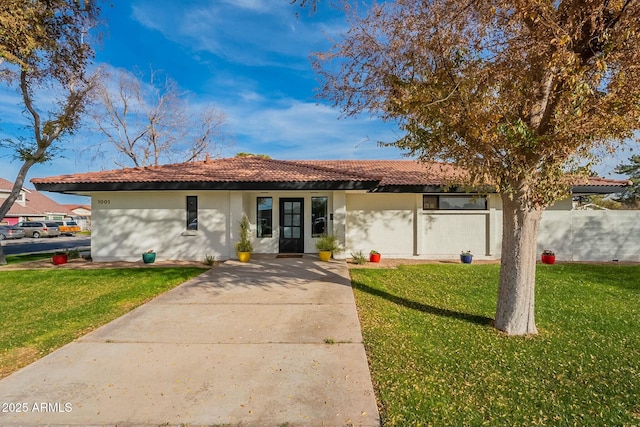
x=243, y=154
x=514, y=92
x=150, y=124
x=44, y=49
x=631, y=197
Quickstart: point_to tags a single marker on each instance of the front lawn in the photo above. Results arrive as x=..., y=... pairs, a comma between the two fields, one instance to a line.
x=436, y=360
x=45, y=309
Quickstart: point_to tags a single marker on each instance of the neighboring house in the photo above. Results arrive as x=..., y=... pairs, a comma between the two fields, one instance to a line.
x=400, y=208
x=30, y=206
x=81, y=214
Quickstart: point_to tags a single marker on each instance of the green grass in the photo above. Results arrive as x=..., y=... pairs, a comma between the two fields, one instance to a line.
x=15, y=259
x=45, y=309
x=436, y=360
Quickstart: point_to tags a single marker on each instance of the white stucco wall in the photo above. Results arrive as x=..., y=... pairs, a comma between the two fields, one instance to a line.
x=382, y=222
x=448, y=233
x=591, y=235
x=271, y=244
x=126, y=224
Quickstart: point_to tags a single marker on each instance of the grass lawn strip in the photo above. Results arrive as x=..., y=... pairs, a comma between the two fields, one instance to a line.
x=16, y=259
x=436, y=360
x=43, y=309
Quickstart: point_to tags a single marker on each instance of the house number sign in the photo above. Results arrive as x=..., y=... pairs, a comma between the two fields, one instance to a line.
x=104, y=201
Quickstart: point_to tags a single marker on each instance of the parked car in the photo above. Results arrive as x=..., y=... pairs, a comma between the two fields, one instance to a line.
x=37, y=229
x=9, y=232
x=68, y=227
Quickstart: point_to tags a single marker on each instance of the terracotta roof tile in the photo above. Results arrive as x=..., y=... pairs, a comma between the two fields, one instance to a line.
x=607, y=182
x=261, y=170
x=241, y=169
x=395, y=172
x=5, y=185
x=36, y=203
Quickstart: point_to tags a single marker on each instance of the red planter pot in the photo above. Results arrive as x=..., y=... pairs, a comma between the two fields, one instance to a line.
x=374, y=257
x=548, y=259
x=59, y=259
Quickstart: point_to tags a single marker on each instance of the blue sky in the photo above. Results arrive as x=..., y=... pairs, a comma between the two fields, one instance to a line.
x=249, y=59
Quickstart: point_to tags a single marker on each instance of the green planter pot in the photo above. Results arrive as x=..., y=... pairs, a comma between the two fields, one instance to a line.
x=149, y=258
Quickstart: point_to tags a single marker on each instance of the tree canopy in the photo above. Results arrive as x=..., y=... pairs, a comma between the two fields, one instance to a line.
x=511, y=90
x=518, y=93
x=44, y=47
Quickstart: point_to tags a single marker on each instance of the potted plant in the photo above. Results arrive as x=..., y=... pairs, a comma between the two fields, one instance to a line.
x=149, y=257
x=60, y=258
x=466, y=257
x=548, y=257
x=327, y=246
x=374, y=256
x=244, y=246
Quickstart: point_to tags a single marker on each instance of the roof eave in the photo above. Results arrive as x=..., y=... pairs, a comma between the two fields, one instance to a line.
x=194, y=186
x=597, y=189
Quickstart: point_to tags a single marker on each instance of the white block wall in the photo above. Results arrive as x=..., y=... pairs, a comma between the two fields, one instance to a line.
x=591, y=235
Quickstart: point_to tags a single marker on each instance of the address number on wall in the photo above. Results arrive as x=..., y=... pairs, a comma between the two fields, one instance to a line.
x=104, y=201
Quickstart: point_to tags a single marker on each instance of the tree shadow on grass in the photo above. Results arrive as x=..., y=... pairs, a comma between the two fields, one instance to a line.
x=414, y=305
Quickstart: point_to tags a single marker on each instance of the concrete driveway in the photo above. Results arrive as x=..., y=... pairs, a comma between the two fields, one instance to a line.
x=271, y=343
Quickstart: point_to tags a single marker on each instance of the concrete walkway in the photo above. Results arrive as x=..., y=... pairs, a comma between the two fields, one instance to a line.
x=275, y=342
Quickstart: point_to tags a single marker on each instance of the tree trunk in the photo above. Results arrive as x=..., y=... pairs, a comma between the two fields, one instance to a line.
x=516, y=294
x=13, y=196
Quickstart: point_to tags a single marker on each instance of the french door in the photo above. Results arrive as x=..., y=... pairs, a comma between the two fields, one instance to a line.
x=291, y=225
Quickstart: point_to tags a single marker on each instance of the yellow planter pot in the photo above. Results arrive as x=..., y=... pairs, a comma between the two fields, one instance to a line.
x=244, y=256
x=324, y=255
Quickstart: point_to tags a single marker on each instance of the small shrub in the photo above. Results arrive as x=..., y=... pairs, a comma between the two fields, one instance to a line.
x=329, y=243
x=244, y=244
x=358, y=258
x=73, y=254
x=209, y=259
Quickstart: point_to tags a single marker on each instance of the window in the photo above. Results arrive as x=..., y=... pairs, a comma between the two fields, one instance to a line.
x=454, y=202
x=265, y=217
x=192, y=212
x=319, y=216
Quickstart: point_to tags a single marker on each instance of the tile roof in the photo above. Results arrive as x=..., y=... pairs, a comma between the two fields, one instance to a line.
x=240, y=169
x=371, y=173
x=5, y=186
x=71, y=207
x=36, y=203
x=394, y=172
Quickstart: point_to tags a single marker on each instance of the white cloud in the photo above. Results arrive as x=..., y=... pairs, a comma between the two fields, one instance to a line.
x=249, y=32
x=292, y=129
x=253, y=5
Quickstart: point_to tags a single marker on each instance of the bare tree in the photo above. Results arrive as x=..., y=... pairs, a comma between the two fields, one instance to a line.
x=151, y=124
x=515, y=92
x=44, y=49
